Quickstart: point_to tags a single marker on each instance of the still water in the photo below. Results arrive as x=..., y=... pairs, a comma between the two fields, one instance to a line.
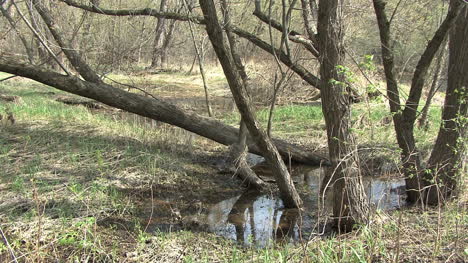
x=253, y=219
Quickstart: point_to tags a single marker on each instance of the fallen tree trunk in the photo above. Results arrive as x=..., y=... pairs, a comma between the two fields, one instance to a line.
x=74, y=102
x=155, y=109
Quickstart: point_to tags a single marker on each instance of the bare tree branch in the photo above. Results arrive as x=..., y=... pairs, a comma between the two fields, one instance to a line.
x=297, y=68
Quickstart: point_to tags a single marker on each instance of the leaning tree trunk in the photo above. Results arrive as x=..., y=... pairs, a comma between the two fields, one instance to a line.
x=446, y=158
x=239, y=150
x=288, y=192
x=349, y=206
x=73, y=56
x=423, y=122
x=153, y=108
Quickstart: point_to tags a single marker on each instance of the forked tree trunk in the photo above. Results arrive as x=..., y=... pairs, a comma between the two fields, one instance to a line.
x=447, y=155
x=404, y=117
x=350, y=205
x=288, y=192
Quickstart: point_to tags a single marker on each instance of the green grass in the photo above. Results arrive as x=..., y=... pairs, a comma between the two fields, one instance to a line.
x=371, y=123
x=4, y=75
x=76, y=186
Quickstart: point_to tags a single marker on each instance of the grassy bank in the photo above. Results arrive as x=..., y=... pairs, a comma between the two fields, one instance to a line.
x=81, y=185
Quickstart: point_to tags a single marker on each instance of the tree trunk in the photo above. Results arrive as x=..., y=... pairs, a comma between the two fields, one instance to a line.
x=167, y=42
x=158, y=36
x=446, y=158
x=153, y=108
x=238, y=160
x=239, y=150
x=410, y=158
x=288, y=192
x=350, y=205
x=422, y=122
x=404, y=118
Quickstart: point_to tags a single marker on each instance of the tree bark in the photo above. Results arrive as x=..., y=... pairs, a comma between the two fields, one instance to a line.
x=404, y=117
x=167, y=42
x=238, y=156
x=239, y=150
x=446, y=159
x=350, y=205
x=153, y=108
x=158, y=36
x=288, y=192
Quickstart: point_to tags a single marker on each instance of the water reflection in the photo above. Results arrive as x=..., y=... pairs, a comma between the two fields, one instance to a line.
x=256, y=219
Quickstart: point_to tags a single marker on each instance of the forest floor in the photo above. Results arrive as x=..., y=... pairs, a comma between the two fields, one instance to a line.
x=86, y=185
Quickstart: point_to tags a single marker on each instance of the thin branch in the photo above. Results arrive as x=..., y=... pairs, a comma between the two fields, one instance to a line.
x=8, y=246
x=297, y=68
x=73, y=56
x=134, y=12
x=293, y=35
x=36, y=34
x=424, y=62
x=394, y=12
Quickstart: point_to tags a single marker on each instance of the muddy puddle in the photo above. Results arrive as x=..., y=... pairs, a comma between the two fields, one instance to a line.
x=253, y=219
x=261, y=219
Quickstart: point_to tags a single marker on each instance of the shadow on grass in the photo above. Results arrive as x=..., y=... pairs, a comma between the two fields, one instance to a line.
x=74, y=159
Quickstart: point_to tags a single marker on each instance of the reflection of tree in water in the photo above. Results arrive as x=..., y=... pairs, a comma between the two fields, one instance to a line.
x=287, y=225
x=257, y=219
x=244, y=208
